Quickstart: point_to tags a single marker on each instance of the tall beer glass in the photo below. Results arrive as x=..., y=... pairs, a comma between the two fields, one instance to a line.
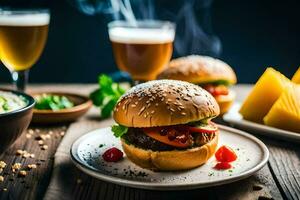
x=23, y=34
x=142, y=49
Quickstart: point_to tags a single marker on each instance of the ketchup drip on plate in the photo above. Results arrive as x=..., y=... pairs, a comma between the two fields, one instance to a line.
x=112, y=155
x=224, y=156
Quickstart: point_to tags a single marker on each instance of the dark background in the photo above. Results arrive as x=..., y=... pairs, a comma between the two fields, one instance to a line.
x=254, y=35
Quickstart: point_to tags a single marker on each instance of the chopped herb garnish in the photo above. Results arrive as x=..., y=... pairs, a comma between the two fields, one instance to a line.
x=101, y=145
x=52, y=102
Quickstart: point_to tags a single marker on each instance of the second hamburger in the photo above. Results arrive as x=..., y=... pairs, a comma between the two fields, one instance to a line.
x=212, y=74
x=165, y=125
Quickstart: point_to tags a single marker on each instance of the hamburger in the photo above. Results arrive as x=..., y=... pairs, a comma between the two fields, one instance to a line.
x=166, y=125
x=212, y=74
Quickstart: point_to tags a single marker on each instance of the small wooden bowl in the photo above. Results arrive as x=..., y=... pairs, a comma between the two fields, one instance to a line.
x=81, y=105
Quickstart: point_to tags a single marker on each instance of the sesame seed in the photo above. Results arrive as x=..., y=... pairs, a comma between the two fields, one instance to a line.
x=142, y=109
x=133, y=105
x=183, y=113
x=1, y=178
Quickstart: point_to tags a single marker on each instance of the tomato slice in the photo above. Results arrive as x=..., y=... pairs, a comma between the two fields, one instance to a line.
x=222, y=165
x=216, y=90
x=155, y=134
x=209, y=128
x=225, y=154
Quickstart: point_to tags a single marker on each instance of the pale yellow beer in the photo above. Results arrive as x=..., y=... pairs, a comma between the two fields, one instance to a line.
x=22, y=39
x=143, y=52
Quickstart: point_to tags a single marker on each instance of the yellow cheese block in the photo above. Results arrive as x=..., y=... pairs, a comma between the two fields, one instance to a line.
x=296, y=77
x=285, y=113
x=263, y=95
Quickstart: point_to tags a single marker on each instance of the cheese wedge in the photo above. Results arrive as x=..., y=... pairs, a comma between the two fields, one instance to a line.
x=263, y=95
x=285, y=113
x=296, y=77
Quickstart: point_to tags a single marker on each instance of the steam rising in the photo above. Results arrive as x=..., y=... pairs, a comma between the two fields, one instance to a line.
x=191, y=38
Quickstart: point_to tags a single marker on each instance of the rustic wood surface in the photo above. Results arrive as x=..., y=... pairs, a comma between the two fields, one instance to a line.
x=279, y=179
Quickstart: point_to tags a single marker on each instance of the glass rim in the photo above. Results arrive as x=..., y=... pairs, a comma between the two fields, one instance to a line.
x=13, y=11
x=151, y=24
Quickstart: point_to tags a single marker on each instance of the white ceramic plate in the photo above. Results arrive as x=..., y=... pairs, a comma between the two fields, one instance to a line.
x=86, y=154
x=236, y=119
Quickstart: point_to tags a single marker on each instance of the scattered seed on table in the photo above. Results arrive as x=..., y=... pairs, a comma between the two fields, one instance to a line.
x=44, y=147
x=28, y=135
x=78, y=181
x=62, y=133
x=22, y=173
x=2, y=164
x=15, y=167
x=1, y=178
x=32, y=166
x=41, y=142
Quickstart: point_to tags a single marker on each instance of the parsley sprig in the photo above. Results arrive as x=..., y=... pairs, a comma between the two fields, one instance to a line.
x=107, y=95
x=119, y=130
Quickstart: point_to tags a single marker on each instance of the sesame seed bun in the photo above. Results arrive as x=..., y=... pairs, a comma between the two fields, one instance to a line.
x=198, y=69
x=171, y=160
x=164, y=103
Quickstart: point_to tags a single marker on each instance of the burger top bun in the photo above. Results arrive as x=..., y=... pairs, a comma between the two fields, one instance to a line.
x=164, y=103
x=198, y=69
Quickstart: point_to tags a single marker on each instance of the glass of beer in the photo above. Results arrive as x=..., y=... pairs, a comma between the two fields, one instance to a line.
x=23, y=34
x=143, y=49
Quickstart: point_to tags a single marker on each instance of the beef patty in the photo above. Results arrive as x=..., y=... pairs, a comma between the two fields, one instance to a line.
x=137, y=137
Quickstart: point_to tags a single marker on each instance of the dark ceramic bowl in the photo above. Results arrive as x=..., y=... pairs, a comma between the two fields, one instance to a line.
x=13, y=123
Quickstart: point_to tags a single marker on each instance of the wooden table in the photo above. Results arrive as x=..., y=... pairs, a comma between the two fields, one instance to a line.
x=279, y=179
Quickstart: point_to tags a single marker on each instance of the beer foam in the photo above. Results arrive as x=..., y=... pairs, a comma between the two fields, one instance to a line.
x=36, y=19
x=141, y=35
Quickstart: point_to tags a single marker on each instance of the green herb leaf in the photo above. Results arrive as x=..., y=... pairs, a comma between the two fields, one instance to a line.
x=119, y=130
x=107, y=108
x=97, y=97
x=107, y=95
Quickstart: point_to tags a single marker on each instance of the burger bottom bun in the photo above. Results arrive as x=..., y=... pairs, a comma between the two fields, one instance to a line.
x=225, y=101
x=171, y=160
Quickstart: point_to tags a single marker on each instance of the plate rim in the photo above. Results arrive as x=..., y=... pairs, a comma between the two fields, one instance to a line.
x=159, y=186
x=256, y=126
